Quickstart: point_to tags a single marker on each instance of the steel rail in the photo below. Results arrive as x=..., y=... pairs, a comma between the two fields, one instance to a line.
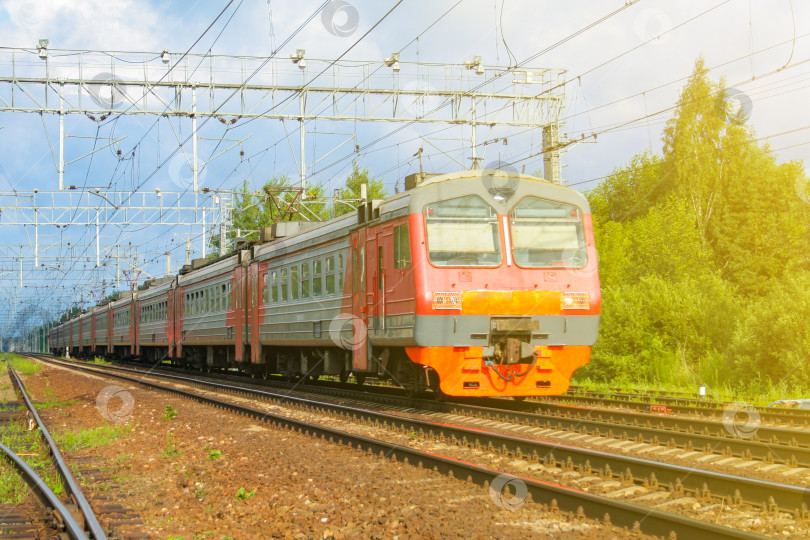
x=650, y=520
x=736, y=488
x=768, y=414
x=661, y=396
x=95, y=528
x=44, y=493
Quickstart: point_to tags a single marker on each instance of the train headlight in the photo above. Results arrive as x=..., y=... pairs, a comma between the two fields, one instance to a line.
x=446, y=300
x=575, y=300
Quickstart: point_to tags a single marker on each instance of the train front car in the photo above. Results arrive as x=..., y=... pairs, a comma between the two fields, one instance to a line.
x=507, y=288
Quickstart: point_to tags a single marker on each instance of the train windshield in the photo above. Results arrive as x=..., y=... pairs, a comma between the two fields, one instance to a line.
x=548, y=234
x=463, y=232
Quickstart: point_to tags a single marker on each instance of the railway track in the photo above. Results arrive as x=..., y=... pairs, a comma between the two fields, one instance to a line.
x=77, y=520
x=772, y=445
x=704, y=484
x=687, y=407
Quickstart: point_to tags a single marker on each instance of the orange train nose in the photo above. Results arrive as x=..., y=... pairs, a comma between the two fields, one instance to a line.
x=463, y=371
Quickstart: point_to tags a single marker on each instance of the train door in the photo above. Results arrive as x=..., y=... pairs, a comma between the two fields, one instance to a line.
x=110, y=331
x=133, y=327
x=359, y=302
x=179, y=319
x=238, y=313
x=93, y=333
x=378, y=298
x=170, y=336
x=253, y=312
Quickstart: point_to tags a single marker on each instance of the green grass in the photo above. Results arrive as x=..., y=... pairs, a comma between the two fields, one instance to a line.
x=169, y=412
x=29, y=446
x=54, y=403
x=242, y=494
x=99, y=360
x=90, y=438
x=170, y=450
x=23, y=366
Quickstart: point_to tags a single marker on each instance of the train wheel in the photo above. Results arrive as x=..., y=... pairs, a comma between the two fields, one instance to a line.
x=343, y=376
x=408, y=377
x=433, y=383
x=360, y=378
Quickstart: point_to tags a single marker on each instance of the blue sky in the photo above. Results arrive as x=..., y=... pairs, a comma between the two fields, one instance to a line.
x=616, y=75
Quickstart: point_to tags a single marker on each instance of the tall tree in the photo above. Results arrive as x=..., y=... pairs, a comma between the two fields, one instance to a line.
x=630, y=191
x=357, y=177
x=694, y=160
x=277, y=200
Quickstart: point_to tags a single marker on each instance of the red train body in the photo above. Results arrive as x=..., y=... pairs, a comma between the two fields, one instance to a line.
x=477, y=283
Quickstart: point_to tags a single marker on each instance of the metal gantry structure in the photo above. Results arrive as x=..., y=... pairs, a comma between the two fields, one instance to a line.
x=236, y=90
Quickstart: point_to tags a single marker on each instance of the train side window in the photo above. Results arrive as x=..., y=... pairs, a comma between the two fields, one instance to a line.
x=266, y=295
x=305, y=280
x=380, y=268
x=294, y=282
x=340, y=272
x=402, y=247
x=274, y=285
x=330, y=275
x=283, y=284
x=253, y=299
x=355, y=270
x=230, y=298
x=317, y=281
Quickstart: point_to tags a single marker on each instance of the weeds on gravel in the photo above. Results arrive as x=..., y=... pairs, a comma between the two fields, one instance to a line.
x=22, y=366
x=242, y=494
x=169, y=412
x=70, y=441
x=170, y=450
x=54, y=403
x=12, y=487
x=29, y=446
x=100, y=361
x=214, y=454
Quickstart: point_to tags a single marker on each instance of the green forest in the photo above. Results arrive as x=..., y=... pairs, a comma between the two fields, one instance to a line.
x=704, y=258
